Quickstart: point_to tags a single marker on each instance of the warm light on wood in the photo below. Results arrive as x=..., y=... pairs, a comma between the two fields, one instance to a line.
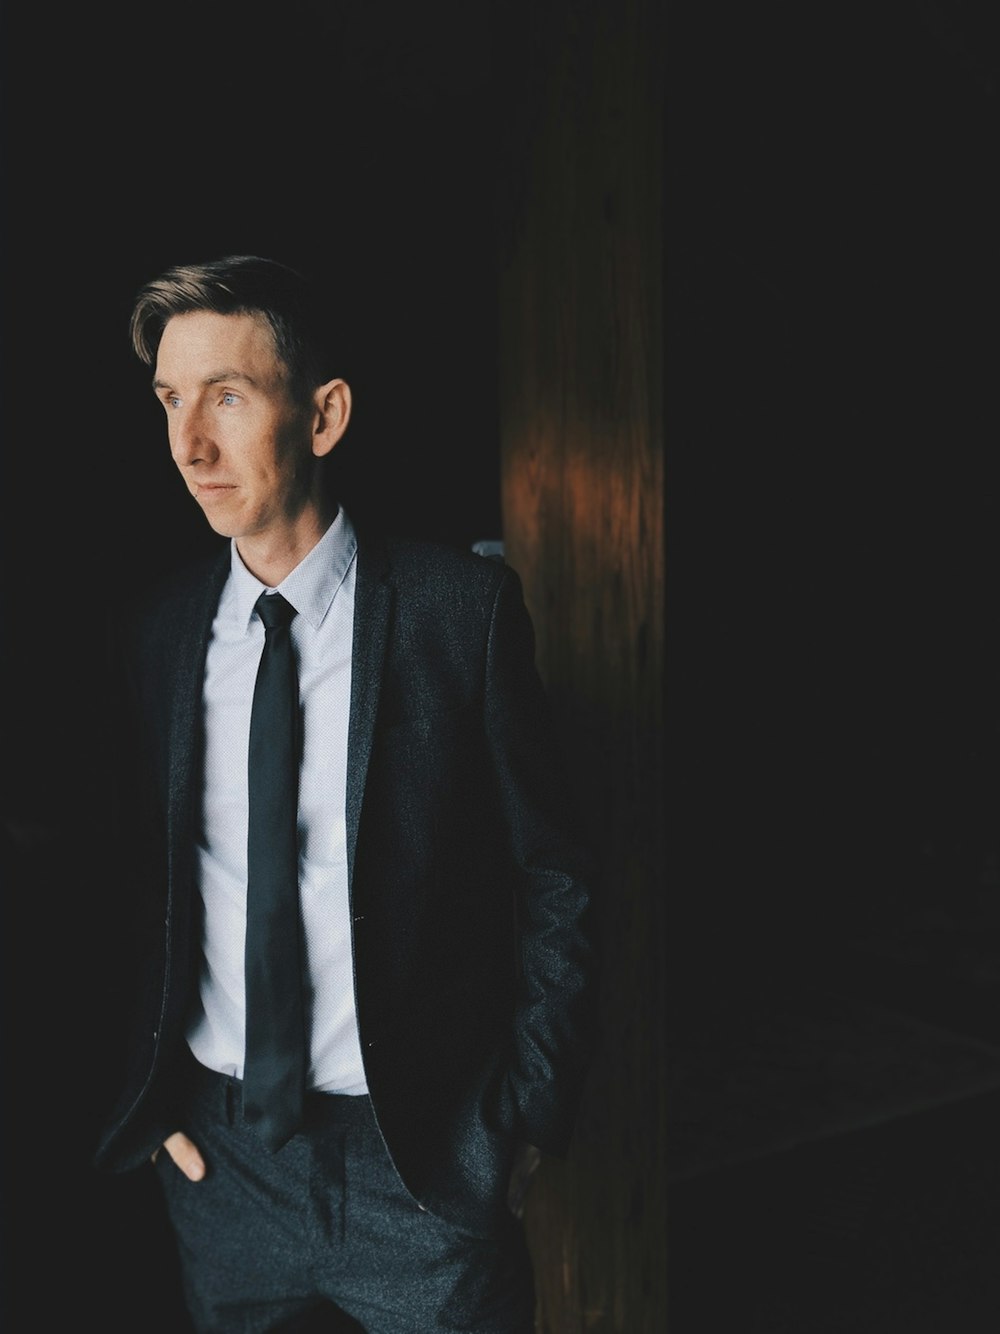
x=581, y=400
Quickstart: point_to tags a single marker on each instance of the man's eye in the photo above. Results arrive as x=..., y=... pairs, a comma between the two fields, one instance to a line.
x=229, y=398
x=172, y=401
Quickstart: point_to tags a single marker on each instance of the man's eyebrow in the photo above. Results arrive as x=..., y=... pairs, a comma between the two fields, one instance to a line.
x=217, y=377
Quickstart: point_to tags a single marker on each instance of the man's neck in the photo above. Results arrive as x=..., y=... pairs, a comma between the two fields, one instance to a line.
x=272, y=556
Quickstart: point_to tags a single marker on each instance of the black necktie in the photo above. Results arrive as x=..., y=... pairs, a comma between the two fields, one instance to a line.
x=275, y=1060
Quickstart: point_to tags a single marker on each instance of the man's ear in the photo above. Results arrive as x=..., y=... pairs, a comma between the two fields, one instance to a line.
x=332, y=403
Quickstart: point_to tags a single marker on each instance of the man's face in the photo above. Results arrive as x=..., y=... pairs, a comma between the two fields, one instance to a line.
x=242, y=445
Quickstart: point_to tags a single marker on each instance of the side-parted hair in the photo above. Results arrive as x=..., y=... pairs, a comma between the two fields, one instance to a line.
x=242, y=285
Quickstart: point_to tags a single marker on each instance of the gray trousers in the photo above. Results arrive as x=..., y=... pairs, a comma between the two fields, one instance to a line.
x=265, y=1237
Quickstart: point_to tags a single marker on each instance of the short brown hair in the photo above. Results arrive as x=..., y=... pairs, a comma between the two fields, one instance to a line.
x=241, y=285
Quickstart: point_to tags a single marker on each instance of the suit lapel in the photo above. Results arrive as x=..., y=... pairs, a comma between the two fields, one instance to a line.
x=372, y=605
x=191, y=633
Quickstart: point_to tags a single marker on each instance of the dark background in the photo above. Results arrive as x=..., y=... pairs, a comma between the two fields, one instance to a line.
x=833, y=715
x=832, y=474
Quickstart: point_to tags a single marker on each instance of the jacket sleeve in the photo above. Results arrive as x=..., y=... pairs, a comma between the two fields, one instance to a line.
x=135, y=877
x=556, y=871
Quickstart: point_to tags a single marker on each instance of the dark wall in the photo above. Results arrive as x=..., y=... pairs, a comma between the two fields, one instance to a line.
x=833, y=477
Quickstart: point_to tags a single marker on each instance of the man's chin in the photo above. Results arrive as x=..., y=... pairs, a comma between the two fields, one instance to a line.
x=218, y=514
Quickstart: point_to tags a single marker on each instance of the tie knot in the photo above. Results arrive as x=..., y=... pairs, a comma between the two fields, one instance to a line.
x=274, y=611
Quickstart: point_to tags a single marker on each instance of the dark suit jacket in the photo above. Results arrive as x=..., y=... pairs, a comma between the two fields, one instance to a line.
x=470, y=884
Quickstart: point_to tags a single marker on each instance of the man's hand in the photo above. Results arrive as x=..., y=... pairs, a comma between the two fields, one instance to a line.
x=526, y=1160
x=185, y=1155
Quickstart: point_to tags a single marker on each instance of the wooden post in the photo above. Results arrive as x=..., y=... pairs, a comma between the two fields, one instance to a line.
x=582, y=491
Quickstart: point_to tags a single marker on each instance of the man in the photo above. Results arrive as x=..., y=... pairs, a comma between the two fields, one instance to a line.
x=445, y=978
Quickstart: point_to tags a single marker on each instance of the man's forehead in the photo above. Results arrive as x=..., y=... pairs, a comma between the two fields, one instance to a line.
x=206, y=342
x=210, y=326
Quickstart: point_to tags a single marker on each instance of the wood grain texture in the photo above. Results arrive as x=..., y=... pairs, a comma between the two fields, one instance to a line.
x=582, y=488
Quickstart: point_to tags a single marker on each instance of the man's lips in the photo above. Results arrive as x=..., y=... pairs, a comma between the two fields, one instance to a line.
x=208, y=490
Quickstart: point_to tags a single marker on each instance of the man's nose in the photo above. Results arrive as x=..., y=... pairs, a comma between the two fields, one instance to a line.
x=190, y=441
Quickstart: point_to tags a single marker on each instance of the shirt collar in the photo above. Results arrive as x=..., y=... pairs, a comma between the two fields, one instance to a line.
x=311, y=586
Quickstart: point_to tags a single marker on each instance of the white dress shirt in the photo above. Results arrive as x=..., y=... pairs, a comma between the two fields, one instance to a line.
x=321, y=589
